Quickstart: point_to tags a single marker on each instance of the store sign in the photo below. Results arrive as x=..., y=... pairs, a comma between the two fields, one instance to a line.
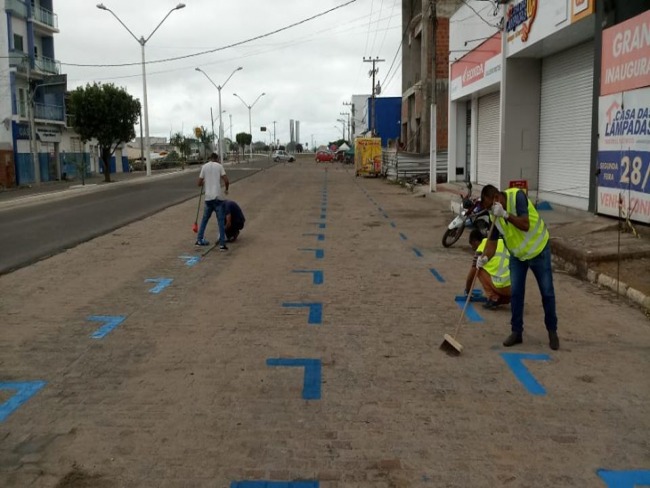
x=626, y=55
x=624, y=154
x=48, y=134
x=478, y=69
x=520, y=17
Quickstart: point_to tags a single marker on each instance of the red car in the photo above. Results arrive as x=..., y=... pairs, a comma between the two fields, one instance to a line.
x=324, y=156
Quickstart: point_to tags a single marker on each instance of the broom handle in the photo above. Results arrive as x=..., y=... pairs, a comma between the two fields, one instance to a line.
x=469, y=295
x=198, y=207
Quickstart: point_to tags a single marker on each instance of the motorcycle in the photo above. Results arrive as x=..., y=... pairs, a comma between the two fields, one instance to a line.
x=471, y=214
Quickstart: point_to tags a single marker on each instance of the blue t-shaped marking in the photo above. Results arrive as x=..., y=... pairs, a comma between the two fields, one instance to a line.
x=625, y=479
x=274, y=484
x=470, y=312
x=312, y=381
x=315, y=311
x=320, y=237
x=320, y=253
x=24, y=391
x=110, y=322
x=317, y=273
x=515, y=361
x=162, y=283
x=190, y=260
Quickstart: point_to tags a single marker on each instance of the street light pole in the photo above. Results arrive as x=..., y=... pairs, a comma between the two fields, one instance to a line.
x=219, y=87
x=142, y=41
x=250, y=122
x=348, y=114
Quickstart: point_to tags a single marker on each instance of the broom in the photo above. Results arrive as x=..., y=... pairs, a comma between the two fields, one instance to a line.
x=449, y=344
x=195, y=227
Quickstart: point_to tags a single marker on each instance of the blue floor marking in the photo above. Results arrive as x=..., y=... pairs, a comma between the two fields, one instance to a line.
x=318, y=276
x=274, y=484
x=161, y=284
x=417, y=252
x=318, y=253
x=322, y=216
x=514, y=360
x=190, y=260
x=625, y=479
x=385, y=215
x=24, y=391
x=393, y=225
x=320, y=237
x=321, y=225
x=470, y=312
x=110, y=322
x=312, y=380
x=437, y=275
x=403, y=237
x=315, y=310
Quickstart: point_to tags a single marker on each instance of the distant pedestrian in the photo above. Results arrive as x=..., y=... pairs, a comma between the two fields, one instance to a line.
x=234, y=220
x=527, y=239
x=210, y=178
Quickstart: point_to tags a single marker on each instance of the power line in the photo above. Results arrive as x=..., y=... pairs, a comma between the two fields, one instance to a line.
x=210, y=51
x=479, y=15
x=374, y=39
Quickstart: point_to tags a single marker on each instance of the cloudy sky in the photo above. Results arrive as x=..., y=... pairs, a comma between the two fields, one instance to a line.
x=307, y=71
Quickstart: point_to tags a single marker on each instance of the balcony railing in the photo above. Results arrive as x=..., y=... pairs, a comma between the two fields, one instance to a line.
x=48, y=65
x=17, y=59
x=49, y=112
x=16, y=7
x=46, y=17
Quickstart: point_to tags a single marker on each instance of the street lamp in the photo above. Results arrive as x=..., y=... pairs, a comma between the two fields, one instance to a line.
x=142, y=41
x=349, y=125
x=342, y=122
x=250, y=123
x=219, y=87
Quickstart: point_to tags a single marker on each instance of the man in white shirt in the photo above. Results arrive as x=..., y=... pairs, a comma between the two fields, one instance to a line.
x=210, y=178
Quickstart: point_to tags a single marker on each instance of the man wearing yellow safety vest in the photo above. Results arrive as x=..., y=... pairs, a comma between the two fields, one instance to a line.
x=494, y=276
x=527, y=238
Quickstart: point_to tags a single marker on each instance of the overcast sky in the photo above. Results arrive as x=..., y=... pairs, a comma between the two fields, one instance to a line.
x=307, y=72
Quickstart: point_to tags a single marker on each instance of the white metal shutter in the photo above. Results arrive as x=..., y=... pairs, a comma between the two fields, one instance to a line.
x=565, y=126
x=488, y=142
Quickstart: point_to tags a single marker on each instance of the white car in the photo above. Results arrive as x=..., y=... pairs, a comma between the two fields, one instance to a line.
x=282, y=156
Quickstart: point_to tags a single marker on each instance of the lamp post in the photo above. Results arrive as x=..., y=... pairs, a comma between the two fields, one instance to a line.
x=342, y=122
x=142, y=41
x=250, y=123
x=219, y=87
x=349, y=125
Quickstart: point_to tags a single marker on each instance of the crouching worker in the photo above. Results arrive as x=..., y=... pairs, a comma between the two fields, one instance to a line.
x=494, y=274
x=234, y=220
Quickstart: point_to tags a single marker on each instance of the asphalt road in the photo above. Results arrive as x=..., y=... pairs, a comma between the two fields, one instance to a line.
x=35, y=232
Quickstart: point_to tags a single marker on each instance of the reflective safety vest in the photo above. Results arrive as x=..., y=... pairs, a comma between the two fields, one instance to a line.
x=498, y=267
x=523, y=245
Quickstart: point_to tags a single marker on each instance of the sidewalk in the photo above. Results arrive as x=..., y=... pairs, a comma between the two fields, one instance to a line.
x=585, y=245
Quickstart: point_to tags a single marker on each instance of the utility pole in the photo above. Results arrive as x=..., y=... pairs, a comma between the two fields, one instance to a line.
x=373, y=72
x=32, y=123
x=349, y=125
x=275, y=141
x=212, y=120
x=230, y=130
x=352, y=127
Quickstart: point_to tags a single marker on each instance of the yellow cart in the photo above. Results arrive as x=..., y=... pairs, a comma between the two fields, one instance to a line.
x=367, y=156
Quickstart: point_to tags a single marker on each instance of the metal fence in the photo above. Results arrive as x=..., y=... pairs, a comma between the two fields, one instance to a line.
x=403, y=165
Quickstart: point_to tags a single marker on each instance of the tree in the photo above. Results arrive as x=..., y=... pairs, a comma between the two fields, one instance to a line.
x=299, y=148
x=106, y=113
x=243, y=139
x=184, y=145
x=205, y=138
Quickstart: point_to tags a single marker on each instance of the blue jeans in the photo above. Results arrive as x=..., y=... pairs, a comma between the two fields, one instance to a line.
x=541, y=267
x=215, y=206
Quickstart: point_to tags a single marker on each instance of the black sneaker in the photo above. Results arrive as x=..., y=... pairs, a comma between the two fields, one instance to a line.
x=490, y=305
x=513, y=339
x=202, y=242
x=553, y=340
x=223, y=248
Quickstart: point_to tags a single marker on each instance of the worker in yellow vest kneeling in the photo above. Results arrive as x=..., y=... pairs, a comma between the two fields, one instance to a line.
x=494, y=275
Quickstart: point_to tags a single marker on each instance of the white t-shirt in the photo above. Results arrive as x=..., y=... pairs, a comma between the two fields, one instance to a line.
x=211, y=173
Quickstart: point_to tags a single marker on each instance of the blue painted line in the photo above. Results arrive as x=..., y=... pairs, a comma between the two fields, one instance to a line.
x=315, y=310
x=320, y=237
x=190, y=260
x=379, y=208
x=311, y=387
x=323, y=209
x=403, y=237
x=514, y=360
x=417, y=252
x=110, y=323
x=24, y=391
x=385, y=215
x=274, y=484
x=318, y=276
x=625, y=479
x=470, y=312
x=323, y=216
x=318, y=253
x=393, y=225
x=437, y=275
x=321, y=225
x=161, y=284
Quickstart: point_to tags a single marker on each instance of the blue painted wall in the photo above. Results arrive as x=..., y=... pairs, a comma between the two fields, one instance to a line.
x=125, y=164
x=389, y=114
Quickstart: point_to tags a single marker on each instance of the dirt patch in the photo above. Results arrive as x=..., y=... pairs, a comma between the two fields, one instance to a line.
x=78, y=478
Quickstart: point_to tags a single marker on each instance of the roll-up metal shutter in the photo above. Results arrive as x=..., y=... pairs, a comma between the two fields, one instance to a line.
x=565, y=126
x=488, y=143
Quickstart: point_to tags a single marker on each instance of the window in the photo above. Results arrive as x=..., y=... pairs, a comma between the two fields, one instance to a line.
x=36, y=52
x=18, y=43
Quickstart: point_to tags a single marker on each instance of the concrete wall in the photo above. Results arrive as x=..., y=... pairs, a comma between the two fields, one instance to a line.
x=520, y=112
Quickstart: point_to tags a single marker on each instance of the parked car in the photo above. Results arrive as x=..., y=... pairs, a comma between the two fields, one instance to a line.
x=324, y=156
x=282, y=156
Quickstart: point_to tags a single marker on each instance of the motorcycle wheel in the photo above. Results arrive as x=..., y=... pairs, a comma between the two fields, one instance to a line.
x=451, y=236
x=483, y=226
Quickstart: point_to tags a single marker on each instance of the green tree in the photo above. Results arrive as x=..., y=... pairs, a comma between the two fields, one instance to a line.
x=243, y=139
x=106, y=113
x=183, y=144
x=205, y=138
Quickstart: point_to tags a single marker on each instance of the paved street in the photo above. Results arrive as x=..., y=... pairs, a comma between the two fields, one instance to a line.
x=309, y=351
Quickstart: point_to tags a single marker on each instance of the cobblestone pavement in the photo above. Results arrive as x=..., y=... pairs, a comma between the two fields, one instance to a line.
x=308, y=351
